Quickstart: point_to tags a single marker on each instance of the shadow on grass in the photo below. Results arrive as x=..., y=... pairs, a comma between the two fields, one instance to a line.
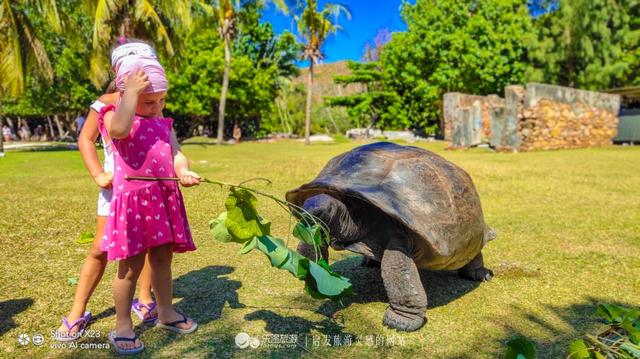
x=569, y=323
x=331, y=334
x=8, y=309
x=442, y=287
x=204, y=293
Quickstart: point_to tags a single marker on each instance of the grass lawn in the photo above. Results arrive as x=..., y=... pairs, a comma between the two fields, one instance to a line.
x=568, y=226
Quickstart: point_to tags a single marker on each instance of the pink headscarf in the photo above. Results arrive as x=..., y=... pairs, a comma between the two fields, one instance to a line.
x=129, y=65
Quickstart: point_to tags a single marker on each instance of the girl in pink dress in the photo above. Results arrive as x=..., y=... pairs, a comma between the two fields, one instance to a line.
x=145, y=216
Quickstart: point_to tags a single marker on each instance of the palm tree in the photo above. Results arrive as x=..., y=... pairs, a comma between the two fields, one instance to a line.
x=315, y=26
x=20, y=47
x=158, y=21
x=227, y=12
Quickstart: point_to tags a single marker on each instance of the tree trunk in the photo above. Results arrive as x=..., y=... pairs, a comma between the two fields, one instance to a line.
x=225, y=86
x=307, y=124
x=56, y=119
x=50, y=127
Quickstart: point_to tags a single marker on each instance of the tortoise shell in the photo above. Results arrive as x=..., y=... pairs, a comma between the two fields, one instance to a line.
x=431, y=196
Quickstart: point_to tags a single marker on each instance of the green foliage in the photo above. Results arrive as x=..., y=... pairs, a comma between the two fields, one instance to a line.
x=520, y=348
x=69, y=89
x=242, y=224
x=259, y=59
x=382, y=109
x=289, y=114
x=589, y=44
x=468, y=46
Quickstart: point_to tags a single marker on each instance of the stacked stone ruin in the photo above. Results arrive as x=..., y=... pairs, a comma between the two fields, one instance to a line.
x=538, y=117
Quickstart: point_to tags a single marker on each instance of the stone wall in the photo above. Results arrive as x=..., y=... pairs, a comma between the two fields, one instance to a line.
x=467, y=118
x=536, y=117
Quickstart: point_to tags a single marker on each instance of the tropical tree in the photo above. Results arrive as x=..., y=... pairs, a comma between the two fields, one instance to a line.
x=227, y=13
x=160, y=22
x=381, y=108
x=260, y=60
x=314, y=27
x=590, y=44
x=466, y=46
x=20, y=45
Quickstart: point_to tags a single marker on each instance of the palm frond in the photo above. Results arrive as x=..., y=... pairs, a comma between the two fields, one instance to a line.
x=37, y=50
x=144, y=12
x=49, y=11
x=11, y=65
x=105, y=11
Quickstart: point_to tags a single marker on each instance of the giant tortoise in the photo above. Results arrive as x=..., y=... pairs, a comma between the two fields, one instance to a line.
x=404, y=208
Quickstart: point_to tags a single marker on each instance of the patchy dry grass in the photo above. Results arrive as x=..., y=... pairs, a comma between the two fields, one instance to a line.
x=568, y=227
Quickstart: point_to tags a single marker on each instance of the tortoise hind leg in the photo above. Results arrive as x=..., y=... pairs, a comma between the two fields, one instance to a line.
x=407, y=297
x=475, y=270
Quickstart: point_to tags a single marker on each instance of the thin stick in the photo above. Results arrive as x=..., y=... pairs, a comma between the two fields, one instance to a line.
x=286, y=205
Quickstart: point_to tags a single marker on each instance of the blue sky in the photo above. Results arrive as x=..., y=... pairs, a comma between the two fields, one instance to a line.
x=368, y=17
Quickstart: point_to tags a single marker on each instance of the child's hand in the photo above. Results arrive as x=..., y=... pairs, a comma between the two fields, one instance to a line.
x=136, y=83
x=189, y=178
x=103, y=179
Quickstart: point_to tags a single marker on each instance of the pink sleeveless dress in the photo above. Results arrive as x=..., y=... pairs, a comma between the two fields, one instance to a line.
x=144, y=214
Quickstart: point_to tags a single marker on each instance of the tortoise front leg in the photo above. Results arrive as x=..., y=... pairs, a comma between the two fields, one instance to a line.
x=407, y=297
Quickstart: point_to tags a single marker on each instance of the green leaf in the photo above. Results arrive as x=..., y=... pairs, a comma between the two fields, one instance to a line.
x=85, y=237
x=249, y=245
x=520, y=347
x=308, y=234
x=220, y=231
x=579, y=350
x=632, y=349
x=73, y=281
x=323, y=283
x=275, y=249
x=611, y=313
x=243, y=221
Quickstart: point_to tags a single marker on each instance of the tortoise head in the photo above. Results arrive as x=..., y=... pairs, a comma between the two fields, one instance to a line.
x=342, y=217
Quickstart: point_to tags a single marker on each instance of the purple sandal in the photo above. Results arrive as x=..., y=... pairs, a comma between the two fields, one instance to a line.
x=81, y=323
x=137, y=306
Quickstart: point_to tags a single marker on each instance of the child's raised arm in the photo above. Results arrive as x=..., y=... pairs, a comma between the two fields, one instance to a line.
x=118, y=124
x=187, y=177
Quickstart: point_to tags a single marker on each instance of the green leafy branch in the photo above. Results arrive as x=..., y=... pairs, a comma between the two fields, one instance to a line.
x=620, y=338
x=242, y=224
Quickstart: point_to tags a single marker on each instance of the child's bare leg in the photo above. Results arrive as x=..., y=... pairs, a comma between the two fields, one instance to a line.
x=144, y=287
x=160, y=259
x=123, y=288
x=90, y=275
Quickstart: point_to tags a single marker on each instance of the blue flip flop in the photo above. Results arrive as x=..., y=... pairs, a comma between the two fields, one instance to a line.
x=173, y=326
x=114, y=340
